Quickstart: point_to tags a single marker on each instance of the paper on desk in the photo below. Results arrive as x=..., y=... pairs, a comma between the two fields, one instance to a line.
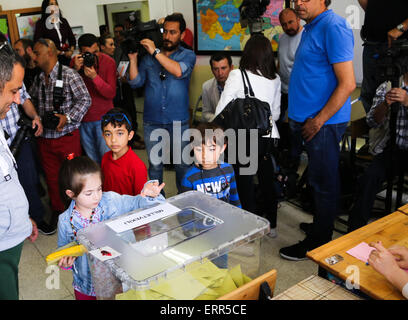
x=361, y=252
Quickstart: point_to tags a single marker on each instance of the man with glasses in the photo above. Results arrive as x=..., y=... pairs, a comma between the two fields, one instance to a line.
x=166, y=74
x=15, y=225
x=321, y=82
x=62, y=104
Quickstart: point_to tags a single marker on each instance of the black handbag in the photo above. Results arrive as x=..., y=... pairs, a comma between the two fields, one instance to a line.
x=246, y=113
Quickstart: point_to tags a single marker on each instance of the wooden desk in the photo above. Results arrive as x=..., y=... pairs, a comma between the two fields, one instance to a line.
x=404, y=209
x=391, y=230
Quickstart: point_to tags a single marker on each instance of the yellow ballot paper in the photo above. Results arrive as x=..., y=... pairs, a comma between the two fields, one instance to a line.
x=200, y=281
x=236, y=275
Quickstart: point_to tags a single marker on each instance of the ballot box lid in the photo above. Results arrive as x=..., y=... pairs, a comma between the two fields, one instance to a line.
x=149, y=244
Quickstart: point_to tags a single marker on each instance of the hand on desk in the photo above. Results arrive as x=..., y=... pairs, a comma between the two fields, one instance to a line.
x=390, y=263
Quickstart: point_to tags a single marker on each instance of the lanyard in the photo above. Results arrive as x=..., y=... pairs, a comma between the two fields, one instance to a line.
x=4, y=167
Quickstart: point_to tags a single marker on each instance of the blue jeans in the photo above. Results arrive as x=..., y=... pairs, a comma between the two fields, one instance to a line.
x=160, y=143
x=323, y=175
x=29, y=179
x=92, y=140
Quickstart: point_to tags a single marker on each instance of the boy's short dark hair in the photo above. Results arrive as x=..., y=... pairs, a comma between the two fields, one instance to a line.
x=217, y=57
x=117, y=117
x=207, y=131
x=87, y=40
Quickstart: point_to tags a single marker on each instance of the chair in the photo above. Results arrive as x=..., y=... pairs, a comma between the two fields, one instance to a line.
x=251, y=290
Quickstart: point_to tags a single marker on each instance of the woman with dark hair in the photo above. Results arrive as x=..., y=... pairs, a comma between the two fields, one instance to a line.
x=259, y=63
x=55, y=27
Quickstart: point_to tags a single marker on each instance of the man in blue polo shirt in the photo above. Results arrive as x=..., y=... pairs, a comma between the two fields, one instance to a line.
x=321, y=82
x=166, y=75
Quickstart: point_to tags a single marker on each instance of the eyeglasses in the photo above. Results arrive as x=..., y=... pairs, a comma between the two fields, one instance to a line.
x=162, y=75
x=119, y=117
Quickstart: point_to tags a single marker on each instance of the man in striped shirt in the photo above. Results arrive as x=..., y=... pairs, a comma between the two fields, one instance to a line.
x=55, y=144
x=385, y=159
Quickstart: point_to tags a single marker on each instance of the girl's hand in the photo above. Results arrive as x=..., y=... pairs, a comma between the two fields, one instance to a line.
x=152, y=189
x=382, y=260
x=66, y=262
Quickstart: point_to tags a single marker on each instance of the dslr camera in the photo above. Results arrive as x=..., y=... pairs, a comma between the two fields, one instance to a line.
x=392, y=62
x=24, y=132
x=89, y=59
x=251, y=12
x=50, y=121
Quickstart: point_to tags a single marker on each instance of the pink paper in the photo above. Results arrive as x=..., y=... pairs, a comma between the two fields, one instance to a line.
x=361, y=252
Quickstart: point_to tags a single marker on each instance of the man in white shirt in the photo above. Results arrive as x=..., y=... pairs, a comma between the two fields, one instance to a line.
x=288, y=45
x=221, y=66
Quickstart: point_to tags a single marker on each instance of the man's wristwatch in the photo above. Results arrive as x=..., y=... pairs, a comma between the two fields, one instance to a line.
x=156, y=51
x=401, y=28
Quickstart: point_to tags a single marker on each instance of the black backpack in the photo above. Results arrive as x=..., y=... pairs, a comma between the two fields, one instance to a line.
x=246, y=113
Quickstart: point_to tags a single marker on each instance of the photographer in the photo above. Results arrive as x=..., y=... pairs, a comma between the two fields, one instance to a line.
x=62, y=100
x=21, y=146
x=376, y=173
x=15, y=225
x=99, y=73
x=384, y=21
x=166, y=74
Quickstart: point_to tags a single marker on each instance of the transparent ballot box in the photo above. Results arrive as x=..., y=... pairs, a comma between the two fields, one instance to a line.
x=190, y=247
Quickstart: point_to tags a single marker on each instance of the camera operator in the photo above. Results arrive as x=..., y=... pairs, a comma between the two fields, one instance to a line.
x=377, y=172
x=62, y=103
x=384, y=21
x=99, y=73
x=166, y=74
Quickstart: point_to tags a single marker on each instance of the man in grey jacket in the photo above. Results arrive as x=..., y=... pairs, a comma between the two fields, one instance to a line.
x=15, y=224
x=221, y=66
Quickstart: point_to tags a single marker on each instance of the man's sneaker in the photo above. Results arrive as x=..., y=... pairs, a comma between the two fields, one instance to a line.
x=46, y=229
x=306, y=227
x=297, y=252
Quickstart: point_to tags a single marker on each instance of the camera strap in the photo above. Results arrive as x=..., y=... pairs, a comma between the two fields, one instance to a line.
x=58, y=91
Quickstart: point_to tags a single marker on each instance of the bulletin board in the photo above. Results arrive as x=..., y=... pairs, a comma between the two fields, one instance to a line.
x=20, y=23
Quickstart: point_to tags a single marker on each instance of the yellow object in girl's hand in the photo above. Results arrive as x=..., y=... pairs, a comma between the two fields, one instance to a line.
x=71, y=250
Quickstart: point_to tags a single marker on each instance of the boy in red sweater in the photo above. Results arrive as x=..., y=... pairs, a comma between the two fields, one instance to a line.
x=124, y=172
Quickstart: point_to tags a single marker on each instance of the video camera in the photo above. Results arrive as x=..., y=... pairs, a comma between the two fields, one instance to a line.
x=392, y=62
x=251, y=12
x=147, y=30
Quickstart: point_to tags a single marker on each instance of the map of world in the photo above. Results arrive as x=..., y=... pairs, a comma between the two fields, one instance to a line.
x=218, y=27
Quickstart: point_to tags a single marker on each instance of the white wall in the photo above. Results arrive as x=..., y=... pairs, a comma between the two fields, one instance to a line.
x=84, y=12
